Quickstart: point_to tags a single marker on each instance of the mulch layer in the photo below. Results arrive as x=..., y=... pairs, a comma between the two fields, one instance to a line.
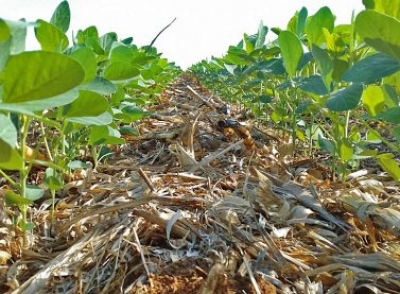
x=205, y=200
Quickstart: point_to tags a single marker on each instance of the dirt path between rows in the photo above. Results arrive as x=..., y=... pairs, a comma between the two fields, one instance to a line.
x=204, y=201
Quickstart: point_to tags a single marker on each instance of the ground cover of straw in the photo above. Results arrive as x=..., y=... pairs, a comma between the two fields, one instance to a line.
x=185, y=207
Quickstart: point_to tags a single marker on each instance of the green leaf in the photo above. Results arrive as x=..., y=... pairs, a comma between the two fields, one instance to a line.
x=339, y=68
x=391, y=97
x=99, y=85
x=374, y=138
x=304, y=107
x=33, y=192
x=301, y=135
x=5, y=49
x=50, y=37
x=389, y=165
x=391, y=115
x=107, y=41
x=334, y=42
x=324, y=64
x=273, y=65
x=26, y=226
x=118, y=96
x=39, y=75
x=10, y=159
x=291, y=51
x=91, y=32
x=89, y=109
x=8, y=132
x=53, y=179
x=106, y=152
x=313, y=84
x=380, y=32
x=373, y=100
x=345, y=150
x=120, y=71
x=128, y=130
x=131, y=55
x=238, y=56
x=16, y=108
x=77, y=164
x=127, y=41
x=391, y=8
x=90, y=37
x=101, y=119
x=94, y=45
x=61, y=17
x=147, y=74
x=305, y=59
x=314, y=132
x=314, y=28
x=345, y=99
x=230, y=68
x=262, y=32
x=124, y=54
x=87, y=59
x=265, y=98
x=291, y=26
x=105, y=135
x=15, y=199
x=135, y=113
x=249, y=42
x=5, y=33
x=326, y=145
x=55, y=101
x=393, y=81
x=371, y=69
x=301, y=21
x=5, y=43
x=18, y=32
x=366, y=153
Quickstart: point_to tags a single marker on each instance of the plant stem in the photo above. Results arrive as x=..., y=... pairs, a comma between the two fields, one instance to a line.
x=310, y=139
x=53, y=199
x=95, y=156
x=24, y=173
x=294, y=104
x=46, y=144
x=25, y=169
x=346, y=129
x=8, y=179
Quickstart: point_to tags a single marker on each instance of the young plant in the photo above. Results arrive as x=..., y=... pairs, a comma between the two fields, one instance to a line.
x=323, y=81
x=76, y=98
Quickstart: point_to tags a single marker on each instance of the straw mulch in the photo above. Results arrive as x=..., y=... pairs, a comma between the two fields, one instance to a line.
x=196, y=204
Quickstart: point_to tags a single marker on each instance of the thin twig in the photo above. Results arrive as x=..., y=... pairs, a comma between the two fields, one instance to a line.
x=154, y=40
x=251, y=274
x=206, y=160
x=140, y=249
x=146, y=179
x=206, y=102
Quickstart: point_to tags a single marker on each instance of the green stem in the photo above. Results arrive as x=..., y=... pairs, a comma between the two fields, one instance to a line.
x=24, y=173
x=294, y=131
x=8, y=179
x=293, y=106
x=95, y=156
x=46, y=143
x=53, y=199
x=310, y=139
x=346, y=129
